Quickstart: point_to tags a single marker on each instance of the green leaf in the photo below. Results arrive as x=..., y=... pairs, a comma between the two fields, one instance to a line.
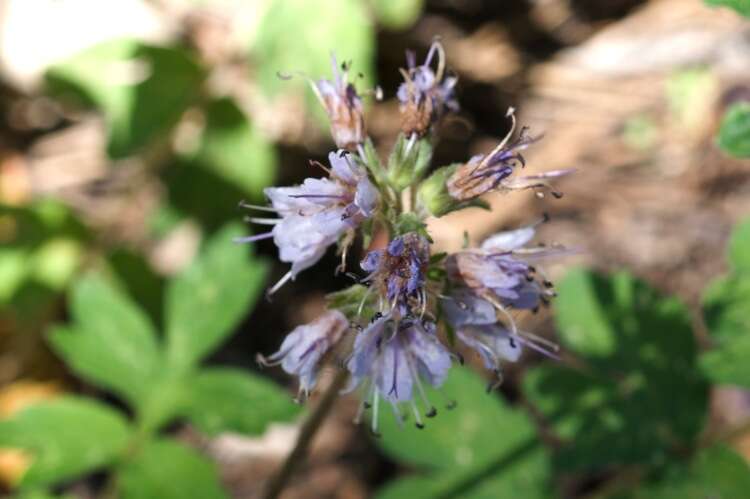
x=292, y=39
x=734, y=134
x=141, y=89
x=726, y=306
x=232, y=400
x=739, y=247
x=40, y=244
x=207, y=301
x=111, y=343
x=236, y=151
x=641, y=395
x=741, y=6
x=716, y=472
x=165, y=469
x=41, y=494
x=482, y=441
x=397, y=14
x=67, y=437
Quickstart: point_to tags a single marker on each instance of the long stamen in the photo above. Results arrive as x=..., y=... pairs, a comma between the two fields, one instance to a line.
x=249, y=206
x=264, y=221
x=252, y=239
x=281, y=282
x=417, y=417
x=512, y=114
x=375, y=405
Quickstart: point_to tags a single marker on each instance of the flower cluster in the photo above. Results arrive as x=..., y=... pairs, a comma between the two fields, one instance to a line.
x=388, y=330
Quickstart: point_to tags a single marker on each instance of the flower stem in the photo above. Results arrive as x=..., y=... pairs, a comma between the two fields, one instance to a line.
x=309, y=428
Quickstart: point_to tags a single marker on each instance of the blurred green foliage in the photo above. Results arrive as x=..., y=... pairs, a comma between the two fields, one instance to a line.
x=142, y=90
x=741, y=6
x=734, y=135
x=482, y=448
x=112, y=344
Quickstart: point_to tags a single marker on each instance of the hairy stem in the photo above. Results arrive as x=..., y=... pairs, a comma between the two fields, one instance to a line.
x=309, y=428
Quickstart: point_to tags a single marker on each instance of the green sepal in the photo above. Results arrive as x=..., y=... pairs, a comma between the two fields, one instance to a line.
x=434, y=198
x=406, y=168
x=411, y=222
x=354, y=302
x=372, y=162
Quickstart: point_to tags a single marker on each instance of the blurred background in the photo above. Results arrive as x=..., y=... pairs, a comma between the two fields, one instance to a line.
x=130, y=130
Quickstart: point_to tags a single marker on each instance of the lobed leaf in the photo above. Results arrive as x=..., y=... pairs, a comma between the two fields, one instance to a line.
x=66, y=437
x=641, y=394
x=111, y=343
x=206, y=302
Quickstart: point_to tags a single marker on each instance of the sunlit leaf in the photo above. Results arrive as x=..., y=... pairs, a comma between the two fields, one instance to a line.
x=66, y=437
x=141, y=89
x=295, y=37
x=397, y=14
x=739, y=247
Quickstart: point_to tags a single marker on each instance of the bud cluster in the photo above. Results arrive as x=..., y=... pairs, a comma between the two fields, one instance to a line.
x=386, y=329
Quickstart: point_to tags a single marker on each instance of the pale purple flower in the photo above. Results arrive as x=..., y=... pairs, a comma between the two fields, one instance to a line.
x=343, y=106
x=314, y=215
x=398, y=272
x=501, y=272
x=303, y=349
x=392, y=359
x=491, y=280
x=493, y=171
x=425, y=94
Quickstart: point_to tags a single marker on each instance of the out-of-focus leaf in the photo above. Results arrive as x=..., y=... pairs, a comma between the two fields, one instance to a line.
x=41, y=243
x=734, y=134
x=726, y=306
x=741, y=6
x=397, y=14
x=66, y=437
x=234, y=400
x=164, y=469
x=739, y=247
x=190, y=187
x=136, y=275
x=295, y=36
x=55, y=262
x=467, y=449
x=643, y=394
x=111, y=343
x=41, y=494
x=206, y=301
x=716, y=472
x=141, y=89
x=234, y=150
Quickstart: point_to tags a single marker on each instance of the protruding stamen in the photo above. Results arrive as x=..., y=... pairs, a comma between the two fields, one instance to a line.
x=286, y=278
x=252, y=239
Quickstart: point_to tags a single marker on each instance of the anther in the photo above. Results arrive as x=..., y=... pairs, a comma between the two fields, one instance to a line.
x=431, y=413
